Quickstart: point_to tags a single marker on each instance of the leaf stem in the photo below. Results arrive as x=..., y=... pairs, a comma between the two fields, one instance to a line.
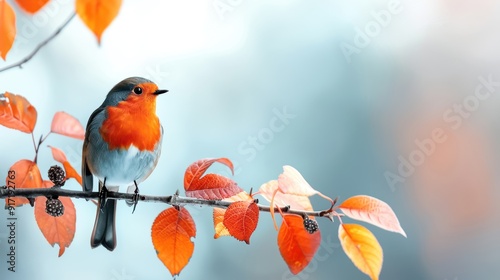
x=44, y=138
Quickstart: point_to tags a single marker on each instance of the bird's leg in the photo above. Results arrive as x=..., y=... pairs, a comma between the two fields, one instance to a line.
x=103, y=194
x=136, y=196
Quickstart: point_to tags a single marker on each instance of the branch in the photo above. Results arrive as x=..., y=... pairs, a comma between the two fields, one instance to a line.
x=171, y=199
x=42, y=44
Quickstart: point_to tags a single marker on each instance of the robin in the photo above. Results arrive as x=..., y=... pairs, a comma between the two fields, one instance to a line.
x=121, y=148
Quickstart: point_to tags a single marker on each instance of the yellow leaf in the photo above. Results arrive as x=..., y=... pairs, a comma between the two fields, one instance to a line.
x=361, y=246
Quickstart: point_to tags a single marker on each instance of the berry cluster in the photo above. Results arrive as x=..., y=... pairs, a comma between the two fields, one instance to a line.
x=310, y=225
x=57, y=175
x=54, y=206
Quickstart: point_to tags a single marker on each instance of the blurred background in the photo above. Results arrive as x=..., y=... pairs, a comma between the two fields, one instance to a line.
x=393, y=99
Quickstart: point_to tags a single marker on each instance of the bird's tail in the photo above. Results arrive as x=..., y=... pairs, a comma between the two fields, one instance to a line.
x=104, y=232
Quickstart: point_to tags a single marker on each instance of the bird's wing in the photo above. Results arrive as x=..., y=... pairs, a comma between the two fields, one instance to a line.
x=87, y=177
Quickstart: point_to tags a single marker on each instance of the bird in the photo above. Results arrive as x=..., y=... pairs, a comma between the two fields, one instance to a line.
x=121, y=147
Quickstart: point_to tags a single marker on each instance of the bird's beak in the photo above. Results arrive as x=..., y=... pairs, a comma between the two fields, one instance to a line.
x=160, y=91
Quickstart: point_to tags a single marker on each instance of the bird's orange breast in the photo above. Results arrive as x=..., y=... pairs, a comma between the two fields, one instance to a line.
x=132, y=122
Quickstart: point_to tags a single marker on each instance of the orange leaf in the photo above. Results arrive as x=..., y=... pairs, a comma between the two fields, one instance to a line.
x=47, y=184
x=241, y=219
x=31, y=6
x=371, y=210
x=98, y=14
x=218, y=214
x=59, y=156
x=65, y=124
x=60, y=230
x=171, y=233
x=16, y=112
x=297, y=246
x=71, y=172
x=23, y=174
x=7, y=28
x=361, y=246
x=210, y=186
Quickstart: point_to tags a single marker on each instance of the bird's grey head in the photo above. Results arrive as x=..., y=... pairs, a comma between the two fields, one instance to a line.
x=121, y=90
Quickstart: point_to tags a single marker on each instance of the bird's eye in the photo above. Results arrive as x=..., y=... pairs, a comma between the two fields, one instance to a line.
x=137, y=90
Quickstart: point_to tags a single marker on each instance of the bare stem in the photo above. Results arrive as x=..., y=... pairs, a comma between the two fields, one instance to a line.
x=171, y=199
x=41, y=45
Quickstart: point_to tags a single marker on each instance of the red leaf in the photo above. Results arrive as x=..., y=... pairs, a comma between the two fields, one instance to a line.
x=171, y=233
x=23, y=174
x=210, y=186
x=241, y=219
x=56, y=230
x=31, y=6
x=218, y=214
x=371, y=210
x=297, y=246
x=16, y=112
x=197, y=168
x=59, y=156
x=67, y=125
x=7, y=28
x=98, y=14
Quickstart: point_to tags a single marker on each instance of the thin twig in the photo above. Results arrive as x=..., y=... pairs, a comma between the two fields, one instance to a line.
x=171, y=199
x=43, y=43
x=37, y=148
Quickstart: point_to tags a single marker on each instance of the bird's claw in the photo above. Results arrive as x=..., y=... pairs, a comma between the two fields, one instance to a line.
x=135, y=199
x=103, y=196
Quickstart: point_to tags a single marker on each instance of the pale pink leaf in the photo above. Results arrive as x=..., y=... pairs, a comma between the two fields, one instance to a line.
x=372, y=210
x=58, y=154
x=281, y=199
x=65, y=124
x=292, y=182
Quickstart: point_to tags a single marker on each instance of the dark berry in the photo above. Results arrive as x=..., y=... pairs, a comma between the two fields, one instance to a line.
x=57, y=175
x=54, y=207
x=310, y=225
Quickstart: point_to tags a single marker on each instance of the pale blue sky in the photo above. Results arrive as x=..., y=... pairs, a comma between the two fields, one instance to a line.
x=360, y=80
